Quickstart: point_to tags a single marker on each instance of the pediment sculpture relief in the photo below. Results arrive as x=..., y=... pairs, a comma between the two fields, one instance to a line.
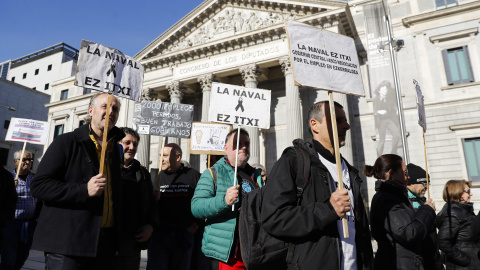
x=230, y=20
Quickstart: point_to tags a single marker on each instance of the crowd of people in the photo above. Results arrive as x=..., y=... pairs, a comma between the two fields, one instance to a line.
x=84, y=218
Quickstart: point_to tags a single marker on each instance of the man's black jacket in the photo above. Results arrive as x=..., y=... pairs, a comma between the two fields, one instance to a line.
x=312, y=226
x=70, y=220
x=8, y=199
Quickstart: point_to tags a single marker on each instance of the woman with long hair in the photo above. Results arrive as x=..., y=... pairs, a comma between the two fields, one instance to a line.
x=455, y=235
x=397, y=228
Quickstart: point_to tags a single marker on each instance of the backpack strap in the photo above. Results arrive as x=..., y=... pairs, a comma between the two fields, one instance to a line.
x=213, y=173
x=301, y=181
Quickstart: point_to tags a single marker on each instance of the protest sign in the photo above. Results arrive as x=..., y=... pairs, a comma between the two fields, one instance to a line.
x=109, y=70
x=208, y=138
x=28, y=130
x=163, y=119
x=422, y=120
x=233, y=104
x=324, y=60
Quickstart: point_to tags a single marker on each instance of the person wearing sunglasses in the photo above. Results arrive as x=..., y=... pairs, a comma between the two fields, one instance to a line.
x=416, y=185
x=455, y=235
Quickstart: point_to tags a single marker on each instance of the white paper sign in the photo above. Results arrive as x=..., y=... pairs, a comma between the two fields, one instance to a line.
x=208, y=138
x=324, y=60
x=27, y=130
x=109, y=70
x=237, y=105
x=422, y=119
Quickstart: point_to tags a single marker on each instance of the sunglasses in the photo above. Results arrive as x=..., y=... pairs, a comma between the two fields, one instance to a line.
x=468, y=191
x=27, y=159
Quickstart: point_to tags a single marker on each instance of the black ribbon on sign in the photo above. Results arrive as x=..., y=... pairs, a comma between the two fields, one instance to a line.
x=240, y=105
x=112, y=69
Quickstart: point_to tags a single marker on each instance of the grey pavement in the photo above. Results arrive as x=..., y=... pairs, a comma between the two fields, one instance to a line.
x=36, y=260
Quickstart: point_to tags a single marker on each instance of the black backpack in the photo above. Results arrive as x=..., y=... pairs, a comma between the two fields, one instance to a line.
x=259, y=249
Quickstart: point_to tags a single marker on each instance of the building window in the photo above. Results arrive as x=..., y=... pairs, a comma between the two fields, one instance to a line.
x=36, y=71
x=13, y=79
x=81, y=123
x=46, y=86
x=441, y=4
x=471, y=148
x=24, y=75
x=64, y=94
x=457, y=65
x=58, y=131
x=87, y=91
x=49, y=67
x=6, y=124
x=3, y=156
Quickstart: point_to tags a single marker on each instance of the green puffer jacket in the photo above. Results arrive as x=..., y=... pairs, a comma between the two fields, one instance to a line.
x=210, y=205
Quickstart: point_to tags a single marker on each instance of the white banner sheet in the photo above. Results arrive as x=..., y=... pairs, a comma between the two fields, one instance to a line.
x=208, y=138
x=109, y=70
x=28, y=130
x=324, y=60
x=237, y=105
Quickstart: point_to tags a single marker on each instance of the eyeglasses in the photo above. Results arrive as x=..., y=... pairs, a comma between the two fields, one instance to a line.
x=406, y=172
x=26, y=159
x=469, y=192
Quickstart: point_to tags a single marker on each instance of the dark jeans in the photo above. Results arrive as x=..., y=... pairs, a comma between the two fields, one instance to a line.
x=104, y=260
x=17, y=241
x=170, y=250
x=128, y=257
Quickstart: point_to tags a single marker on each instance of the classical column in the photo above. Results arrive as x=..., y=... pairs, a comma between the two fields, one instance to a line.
x=143, y=152
x=250, y=74
x=176, y=90
x=205, y=82
x=294, y=111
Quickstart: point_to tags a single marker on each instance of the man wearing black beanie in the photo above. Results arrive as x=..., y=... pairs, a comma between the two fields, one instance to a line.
x=416, y=185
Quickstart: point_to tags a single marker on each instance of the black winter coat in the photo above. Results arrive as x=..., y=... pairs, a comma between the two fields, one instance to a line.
x=8, y=199
x=456, y=238
x=312, y=226
x=70, y=220
x=397, y=228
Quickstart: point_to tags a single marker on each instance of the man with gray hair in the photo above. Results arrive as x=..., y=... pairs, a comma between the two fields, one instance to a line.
x=18, y=233
x=79, y=224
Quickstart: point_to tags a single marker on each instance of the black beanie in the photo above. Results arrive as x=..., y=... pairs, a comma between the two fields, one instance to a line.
x=416, y=172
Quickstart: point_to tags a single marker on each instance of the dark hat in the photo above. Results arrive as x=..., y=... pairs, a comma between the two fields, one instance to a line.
x=417, y=174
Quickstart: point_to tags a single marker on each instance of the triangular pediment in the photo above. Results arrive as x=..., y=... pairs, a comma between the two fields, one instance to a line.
x=216, y=20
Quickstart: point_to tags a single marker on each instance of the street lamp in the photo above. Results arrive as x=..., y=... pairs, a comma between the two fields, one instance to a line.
x=9, y=108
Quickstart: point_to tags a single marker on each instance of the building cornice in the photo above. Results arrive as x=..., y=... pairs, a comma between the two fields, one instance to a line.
x=454, y=35
x=437, y=14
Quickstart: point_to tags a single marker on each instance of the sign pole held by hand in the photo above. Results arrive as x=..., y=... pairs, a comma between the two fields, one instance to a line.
x=236, y=158
x=20, y=162
x=105, y=133
x=338, y=161
x=160, y=161
x=426, y=167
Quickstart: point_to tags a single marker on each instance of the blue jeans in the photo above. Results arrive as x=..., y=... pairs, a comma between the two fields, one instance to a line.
x=170, y=250
x=17, y=241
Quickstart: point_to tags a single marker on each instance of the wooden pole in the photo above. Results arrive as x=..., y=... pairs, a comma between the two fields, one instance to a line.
x=208, y=163
x=105, y=133
x=426, y=167
x=20, y=162
x=236, y=158
x=160, y=162
x=338, y=161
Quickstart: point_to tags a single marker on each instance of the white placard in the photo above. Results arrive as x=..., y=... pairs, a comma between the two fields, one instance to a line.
x=208, y=138
x=28, y=130
x=422, y=118
x=237, y=105
x=324, y=60
x=109, y=70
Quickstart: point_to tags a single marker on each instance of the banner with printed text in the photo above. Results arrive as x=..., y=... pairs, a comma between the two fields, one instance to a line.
x=28, y=130
x=208, y=138
x=324, y=60
x=237, y=105
x=108, y=70
x=163, y=119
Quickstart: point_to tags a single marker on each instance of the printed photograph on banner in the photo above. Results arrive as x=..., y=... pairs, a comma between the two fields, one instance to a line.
x=324, y=60
x=28, y=130
x=163, y=119
x=108, y=70
x=422, y=119
x=237, y=105
x=208, y=138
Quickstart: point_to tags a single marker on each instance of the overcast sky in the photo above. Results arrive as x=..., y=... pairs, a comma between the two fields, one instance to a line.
x=127, y=25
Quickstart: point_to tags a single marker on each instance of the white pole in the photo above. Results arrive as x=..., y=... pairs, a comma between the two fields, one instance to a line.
x=236, y=158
